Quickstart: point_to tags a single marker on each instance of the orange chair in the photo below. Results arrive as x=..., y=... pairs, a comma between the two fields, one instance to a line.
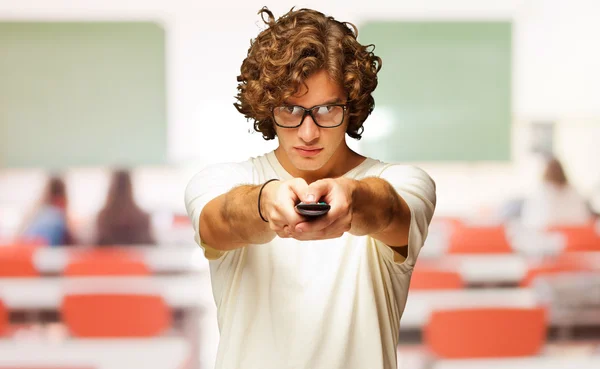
x=24, y=241
x=450, y=222
x=105, y=262
x=584, y=238
x=114, y=315
x=479, y=240
x=17, y=261
x=3, y=319
x=181, y=221
x=431, y=279
x=486, y=333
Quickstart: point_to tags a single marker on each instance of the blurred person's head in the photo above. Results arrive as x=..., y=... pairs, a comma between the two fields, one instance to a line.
x=120, y=191
x=554, y=173
x=302, y=60
x=55, y=193
x=121, y=220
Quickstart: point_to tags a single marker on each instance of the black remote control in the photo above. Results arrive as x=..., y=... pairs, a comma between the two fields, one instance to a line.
x=313, y=210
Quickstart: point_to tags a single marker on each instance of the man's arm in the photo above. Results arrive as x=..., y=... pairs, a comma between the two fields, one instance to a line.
x=411, y=201
x=379, y=211
x=382, y=207
x=369, y=206
x=231, y=221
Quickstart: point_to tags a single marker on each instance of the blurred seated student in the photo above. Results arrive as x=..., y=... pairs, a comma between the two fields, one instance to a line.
x=48, y=221
x=122, y=221
x=555, y=202
x=511, y=209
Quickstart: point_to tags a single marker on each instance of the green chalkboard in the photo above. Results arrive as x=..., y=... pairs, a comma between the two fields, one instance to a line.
x=444, y=91
x=82, y=94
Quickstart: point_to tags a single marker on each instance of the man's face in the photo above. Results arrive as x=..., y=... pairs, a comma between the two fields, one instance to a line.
x=309, y=147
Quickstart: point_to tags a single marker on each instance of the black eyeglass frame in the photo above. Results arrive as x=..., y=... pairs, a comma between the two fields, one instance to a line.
x=308, y=111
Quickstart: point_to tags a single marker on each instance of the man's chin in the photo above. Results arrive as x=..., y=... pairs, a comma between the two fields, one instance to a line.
x=307, y=165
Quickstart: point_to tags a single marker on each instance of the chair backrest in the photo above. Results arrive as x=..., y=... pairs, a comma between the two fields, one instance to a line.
x=431, y=279
x=115, y=315
x=105, y=262
x=17, y=261
x=479, y=240
x=24, y=241
x=3, y=319
x=181, y=221
x=558, y=266
x=488, y=332
x=584, y=238
x=448, y=222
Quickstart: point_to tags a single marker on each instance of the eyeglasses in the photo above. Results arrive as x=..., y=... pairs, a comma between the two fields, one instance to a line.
x=324, y=116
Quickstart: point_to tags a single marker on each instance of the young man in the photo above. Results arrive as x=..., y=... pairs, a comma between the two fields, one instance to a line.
x=300, y=292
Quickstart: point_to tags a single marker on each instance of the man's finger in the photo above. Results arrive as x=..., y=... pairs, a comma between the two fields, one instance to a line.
x=333, y=230
x=315, y=191
x=315, y=225
x=298, y=187
x=286, y=215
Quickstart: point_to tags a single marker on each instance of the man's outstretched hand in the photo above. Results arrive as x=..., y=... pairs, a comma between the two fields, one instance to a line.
x=280, y=198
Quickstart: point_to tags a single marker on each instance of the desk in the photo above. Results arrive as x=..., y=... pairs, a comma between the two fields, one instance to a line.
x=154, y=353
x=420, y=304
x=476, y=269
x=496, y=269
x=538, y=362
x=159, y=259
x=47, y=293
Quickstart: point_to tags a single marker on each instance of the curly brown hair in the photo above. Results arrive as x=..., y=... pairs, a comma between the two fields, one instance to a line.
x=293, y=48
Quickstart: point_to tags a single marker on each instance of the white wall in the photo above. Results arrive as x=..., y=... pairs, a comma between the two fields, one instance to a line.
x=557, y=59
x=556, y=76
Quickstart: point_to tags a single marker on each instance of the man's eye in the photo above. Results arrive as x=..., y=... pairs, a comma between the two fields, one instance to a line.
x=295, y=110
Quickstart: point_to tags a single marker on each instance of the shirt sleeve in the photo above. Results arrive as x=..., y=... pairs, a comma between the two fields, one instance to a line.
x=417, y=189
x=209, y=183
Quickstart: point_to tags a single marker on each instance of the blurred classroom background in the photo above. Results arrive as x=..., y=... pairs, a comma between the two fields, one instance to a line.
x=107, y=108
